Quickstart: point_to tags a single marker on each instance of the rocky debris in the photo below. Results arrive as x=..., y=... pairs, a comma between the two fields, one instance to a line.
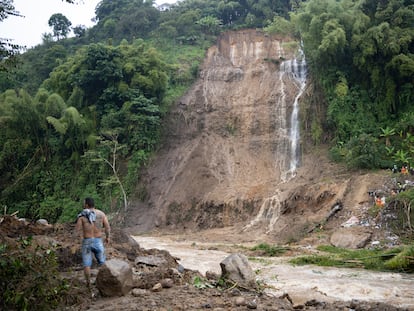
x=353, y=221
x=12, y=227
x=187, y=297
x=240, y=301
x=158, y=281
x=124, y=245
x=167, y=283
x=42, y=222
x=211, y=275
x=114, y=278
x=237, y=269
x=157, y=266
x=136, y=292
x=366, y=306
x=151, y=260
x=157, y=287
x=353, y=237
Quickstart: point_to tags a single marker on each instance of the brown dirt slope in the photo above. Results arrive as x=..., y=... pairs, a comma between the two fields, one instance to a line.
x=225, y=158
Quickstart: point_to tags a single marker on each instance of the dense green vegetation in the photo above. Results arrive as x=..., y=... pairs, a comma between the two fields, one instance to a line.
x=361, y=54
x=82, y=115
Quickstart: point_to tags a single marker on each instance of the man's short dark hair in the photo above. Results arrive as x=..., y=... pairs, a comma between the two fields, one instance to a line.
x=90, y=202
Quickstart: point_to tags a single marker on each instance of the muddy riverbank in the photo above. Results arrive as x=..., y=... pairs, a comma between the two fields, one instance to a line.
x=302, y=283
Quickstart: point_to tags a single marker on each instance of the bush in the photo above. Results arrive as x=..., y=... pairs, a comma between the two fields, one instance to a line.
x=363, y=152
x=29, y=278
x=400, y=206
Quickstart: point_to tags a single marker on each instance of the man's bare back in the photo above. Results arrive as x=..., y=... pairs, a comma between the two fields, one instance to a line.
x=94, y=229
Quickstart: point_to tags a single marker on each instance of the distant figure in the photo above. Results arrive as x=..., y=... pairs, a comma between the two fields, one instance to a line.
x=379, y=202
x=395, y=169
x=89, y=225
x=404, y=170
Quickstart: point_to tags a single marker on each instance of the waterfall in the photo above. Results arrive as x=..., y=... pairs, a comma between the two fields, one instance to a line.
x=269, y=211
x=300, y=76
x=294, y=69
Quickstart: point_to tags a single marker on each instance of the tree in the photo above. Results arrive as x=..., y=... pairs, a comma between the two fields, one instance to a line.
x=108, y=153
x=47, y=37
x=8, y=50
x=106, y=74
x=210, y=24
x=387, y=133
x=22, y=148
x=73, y=132
x=280, y=25
x=60, y=25
x=79, y=30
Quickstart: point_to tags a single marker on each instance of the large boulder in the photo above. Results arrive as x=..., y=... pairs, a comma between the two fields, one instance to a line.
x=353, y=237
x=236, y=268
x=114, y=278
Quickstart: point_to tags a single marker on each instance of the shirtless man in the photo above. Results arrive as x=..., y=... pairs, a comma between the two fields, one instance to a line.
x=90, y=225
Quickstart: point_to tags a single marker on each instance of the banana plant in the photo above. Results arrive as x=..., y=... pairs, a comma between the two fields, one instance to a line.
x=402, y=157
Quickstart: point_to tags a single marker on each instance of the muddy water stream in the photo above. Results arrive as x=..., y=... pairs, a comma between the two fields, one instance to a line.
x=302, y=283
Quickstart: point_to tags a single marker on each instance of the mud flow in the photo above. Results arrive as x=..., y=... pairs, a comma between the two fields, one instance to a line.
x=302, y=283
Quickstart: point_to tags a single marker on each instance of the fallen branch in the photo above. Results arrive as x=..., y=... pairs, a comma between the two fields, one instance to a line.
x=334, y=209
x=233, y=286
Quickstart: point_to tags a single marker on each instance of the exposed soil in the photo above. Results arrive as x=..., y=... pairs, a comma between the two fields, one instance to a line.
x=201, y=250
x=225, y=157
x=284, y=287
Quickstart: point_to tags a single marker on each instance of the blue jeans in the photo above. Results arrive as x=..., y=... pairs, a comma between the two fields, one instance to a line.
x=95, y=246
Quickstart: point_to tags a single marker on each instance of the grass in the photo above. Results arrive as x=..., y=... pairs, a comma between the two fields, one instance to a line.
x=399, y=259
x=269, y=250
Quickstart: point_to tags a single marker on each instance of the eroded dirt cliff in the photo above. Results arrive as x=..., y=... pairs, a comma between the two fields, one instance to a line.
x=225, y=159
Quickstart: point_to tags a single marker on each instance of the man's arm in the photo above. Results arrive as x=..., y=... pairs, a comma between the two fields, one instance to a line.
x=107, y=227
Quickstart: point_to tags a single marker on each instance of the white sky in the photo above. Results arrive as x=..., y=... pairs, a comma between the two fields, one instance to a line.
x=28, y=31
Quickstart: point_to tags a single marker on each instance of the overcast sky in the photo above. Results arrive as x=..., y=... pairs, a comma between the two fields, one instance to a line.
x=28, y=30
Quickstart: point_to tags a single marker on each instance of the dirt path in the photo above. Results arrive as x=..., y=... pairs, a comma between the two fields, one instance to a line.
x=302, y=283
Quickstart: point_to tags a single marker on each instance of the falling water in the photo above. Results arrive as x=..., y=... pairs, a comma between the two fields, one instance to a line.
x=296, y=69
x=270, y=210
x=300, y=76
